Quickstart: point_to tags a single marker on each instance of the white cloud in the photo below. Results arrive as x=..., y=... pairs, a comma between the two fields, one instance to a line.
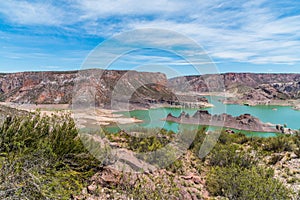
x=244, y=31
x=275, y=41
x=106, y=8
x=32, y=13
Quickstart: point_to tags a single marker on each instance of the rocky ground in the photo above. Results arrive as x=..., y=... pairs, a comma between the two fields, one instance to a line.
x=114, y=184
x=286, y=168
x=236, y=161
x=83, y=117
x=187, y=177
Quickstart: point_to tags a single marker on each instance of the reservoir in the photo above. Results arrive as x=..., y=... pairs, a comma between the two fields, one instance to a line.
x=152, y=118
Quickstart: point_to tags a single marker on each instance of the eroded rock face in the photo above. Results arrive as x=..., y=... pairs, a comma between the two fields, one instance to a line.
x=59, y=87
x=37, y=87
x=115, y=89
x=242, y=122
x=260, y=87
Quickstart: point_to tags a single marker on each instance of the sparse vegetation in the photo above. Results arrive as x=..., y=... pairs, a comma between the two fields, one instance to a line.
x=42, y=157
x=236, y=182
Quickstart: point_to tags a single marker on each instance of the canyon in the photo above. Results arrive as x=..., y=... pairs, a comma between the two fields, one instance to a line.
x=61, y=87
x=58, y=87
x=244, y=88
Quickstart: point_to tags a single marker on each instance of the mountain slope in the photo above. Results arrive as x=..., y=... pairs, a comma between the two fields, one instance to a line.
x=59, y=87
x=244, y=85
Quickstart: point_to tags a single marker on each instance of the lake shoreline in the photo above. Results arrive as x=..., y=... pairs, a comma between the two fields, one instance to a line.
x=135, y=115
x=231, y=98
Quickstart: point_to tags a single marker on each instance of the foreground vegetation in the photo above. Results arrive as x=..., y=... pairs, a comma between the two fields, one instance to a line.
x=42, y=157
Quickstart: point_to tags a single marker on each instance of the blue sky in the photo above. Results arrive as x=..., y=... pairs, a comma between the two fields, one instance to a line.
x=239, y=36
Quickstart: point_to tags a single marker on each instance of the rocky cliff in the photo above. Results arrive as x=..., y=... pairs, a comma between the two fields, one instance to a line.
x=147, y=88
x=117, y=89
x=37, y=87
x=246, y=86
x=58, y=87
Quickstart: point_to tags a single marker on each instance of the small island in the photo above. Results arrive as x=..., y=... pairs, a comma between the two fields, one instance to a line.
x=245, y=122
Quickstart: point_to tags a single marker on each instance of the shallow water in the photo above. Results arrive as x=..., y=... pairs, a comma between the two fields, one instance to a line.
x=153, y=118
x=273, y=114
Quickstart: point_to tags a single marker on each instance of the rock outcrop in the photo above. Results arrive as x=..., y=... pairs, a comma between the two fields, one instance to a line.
x=245, y=86
x=37, y=87
x=116, y=89
x=59, y=87
x=115, y=184
x=242, y=122
x=149, y=88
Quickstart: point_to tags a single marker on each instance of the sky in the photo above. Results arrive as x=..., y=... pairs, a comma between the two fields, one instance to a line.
x=236, y=36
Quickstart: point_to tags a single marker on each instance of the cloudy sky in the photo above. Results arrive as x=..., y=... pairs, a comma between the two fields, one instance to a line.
x=244, y=35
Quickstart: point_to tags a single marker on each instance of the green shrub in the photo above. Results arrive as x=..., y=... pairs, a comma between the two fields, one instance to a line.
x=226, y=155
x=42, y=158
x=198, y=139
x=297, y=152
x=278, y=144
x=238, y=138
x=235, y=182
x=275, y=158
x=176, y=166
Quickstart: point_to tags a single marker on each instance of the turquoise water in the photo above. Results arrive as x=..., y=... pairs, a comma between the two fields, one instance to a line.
x=153, y=118
x=273, y=114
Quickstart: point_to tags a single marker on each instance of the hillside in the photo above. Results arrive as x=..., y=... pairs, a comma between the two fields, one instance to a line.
x=7, y=112
x=58, y=87
x=37, y=87
x=146, y=87
x=42, y=157
x=244, y=86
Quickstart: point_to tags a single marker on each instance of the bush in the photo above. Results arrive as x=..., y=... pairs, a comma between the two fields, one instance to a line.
x=278, y=144
x=297, y=142
x=297, y=152
x=42, y=158
x=238, y=138
x=197, y=140
x=226, y=155
x=235, y=182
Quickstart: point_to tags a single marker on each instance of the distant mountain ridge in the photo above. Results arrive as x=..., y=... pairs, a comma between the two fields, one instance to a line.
x=255, y=86
x=58, y=87
x=37, y=87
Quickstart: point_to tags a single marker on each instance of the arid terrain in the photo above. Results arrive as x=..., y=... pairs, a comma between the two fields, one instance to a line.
x=74, y=165
x=58, y=87
x=244, y=88
x=52, y=91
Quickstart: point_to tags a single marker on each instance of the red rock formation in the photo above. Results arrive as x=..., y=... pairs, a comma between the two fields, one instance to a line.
x=257, y=87
x=58, y=87
x=242, y=122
